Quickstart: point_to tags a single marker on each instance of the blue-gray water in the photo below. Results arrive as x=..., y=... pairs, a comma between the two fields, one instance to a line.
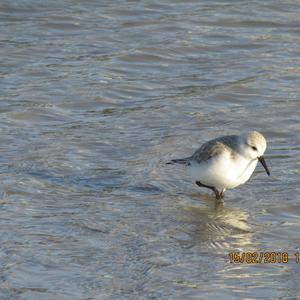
x=95, y=97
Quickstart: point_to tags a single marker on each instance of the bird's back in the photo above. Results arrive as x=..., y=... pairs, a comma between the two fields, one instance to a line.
x=215, y=147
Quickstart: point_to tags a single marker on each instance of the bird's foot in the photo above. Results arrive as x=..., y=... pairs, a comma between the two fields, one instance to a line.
x=219, y=194
x=222, y=193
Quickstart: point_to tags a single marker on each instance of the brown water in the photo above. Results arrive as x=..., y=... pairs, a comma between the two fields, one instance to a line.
x=95, y=97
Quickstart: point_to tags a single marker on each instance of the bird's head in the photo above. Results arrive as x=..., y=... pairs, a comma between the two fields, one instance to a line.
x=254, y=146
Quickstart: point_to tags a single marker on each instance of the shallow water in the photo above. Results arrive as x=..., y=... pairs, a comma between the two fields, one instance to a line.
x=95, y=97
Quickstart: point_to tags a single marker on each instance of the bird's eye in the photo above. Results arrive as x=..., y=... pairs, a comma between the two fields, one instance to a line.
x=254, y=148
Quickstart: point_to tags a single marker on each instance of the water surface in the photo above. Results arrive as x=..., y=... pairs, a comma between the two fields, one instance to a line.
x=95, y=97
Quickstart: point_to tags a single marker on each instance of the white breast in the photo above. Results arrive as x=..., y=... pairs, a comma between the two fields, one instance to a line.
x=223, y=171
x=246, y=171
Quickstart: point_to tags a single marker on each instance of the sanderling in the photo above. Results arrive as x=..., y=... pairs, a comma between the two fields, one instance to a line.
x=226, y=162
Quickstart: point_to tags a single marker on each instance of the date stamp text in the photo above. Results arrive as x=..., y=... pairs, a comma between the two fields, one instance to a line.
x=263, y=257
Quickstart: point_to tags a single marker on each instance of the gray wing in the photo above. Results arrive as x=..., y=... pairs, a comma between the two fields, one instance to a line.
x=216, y=147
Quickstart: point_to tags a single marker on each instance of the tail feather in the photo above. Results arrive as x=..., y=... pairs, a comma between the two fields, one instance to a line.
x=182, y=161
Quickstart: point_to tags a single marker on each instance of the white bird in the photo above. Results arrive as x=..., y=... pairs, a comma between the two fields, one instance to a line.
x=226, y=162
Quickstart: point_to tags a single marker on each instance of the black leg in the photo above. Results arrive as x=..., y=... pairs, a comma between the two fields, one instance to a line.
x=222, y=193
x=218, y=195
x=204, y=185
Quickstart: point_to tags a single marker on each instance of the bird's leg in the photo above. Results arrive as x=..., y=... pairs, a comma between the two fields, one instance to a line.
x=204, y=185
x=217, y=193
x=222, y=193
x=218, y=196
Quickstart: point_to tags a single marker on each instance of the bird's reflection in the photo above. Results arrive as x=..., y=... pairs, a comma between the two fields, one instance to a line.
x=216, y=225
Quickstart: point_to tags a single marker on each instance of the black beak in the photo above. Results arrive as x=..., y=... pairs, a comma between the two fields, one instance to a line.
x=263, y=162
